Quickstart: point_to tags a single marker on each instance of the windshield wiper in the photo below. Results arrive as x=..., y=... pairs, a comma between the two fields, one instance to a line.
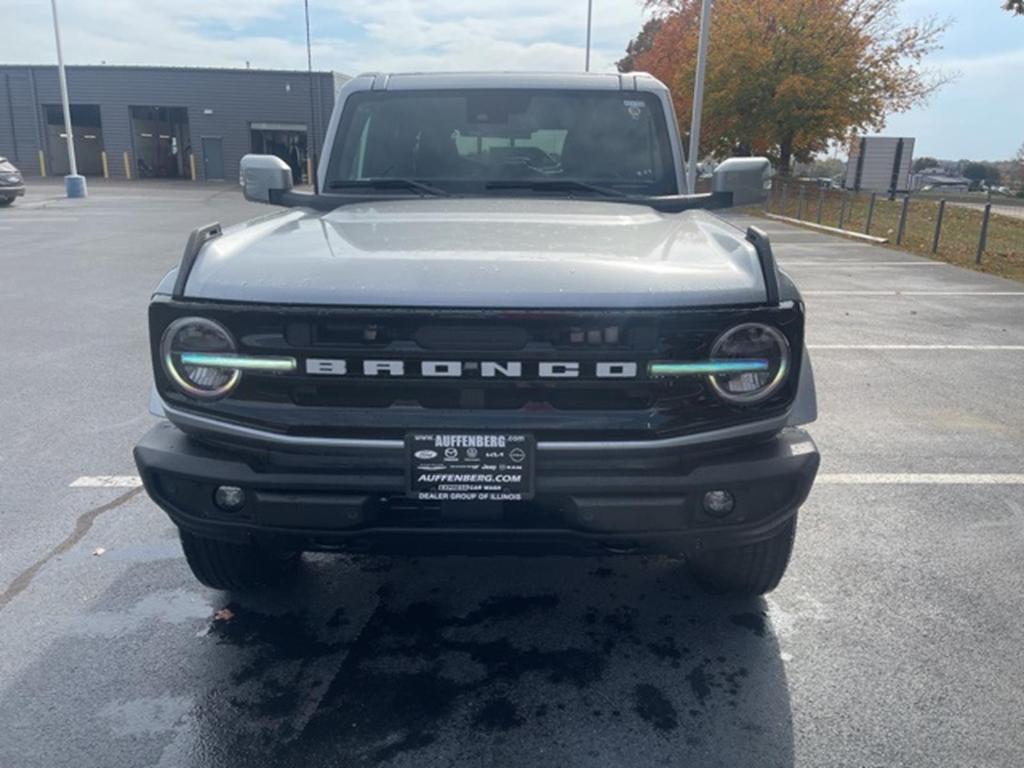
x=389, y=183
x=555, y=185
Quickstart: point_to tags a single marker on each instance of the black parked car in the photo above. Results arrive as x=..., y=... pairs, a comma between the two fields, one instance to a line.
x=11, y=183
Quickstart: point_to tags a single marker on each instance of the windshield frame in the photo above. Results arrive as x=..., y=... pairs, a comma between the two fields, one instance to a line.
x=671, y=181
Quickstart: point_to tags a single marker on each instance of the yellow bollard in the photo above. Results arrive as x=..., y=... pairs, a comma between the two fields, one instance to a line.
x=127, y=167
x=192, y=166
x=42, y=164
x=106, y=168
x=309, y=170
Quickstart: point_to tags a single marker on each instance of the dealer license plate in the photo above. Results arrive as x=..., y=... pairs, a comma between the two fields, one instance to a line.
x=465, y=466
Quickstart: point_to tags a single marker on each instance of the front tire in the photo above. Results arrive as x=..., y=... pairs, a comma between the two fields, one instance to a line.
x=4, y=201
x=230, y=566
x=752, y=569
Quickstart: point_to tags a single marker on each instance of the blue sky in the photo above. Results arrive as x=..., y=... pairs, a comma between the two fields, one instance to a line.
x=980, y=115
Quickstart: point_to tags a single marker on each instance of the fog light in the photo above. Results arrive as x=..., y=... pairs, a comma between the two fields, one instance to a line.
x=718, y=503
x=230, y=498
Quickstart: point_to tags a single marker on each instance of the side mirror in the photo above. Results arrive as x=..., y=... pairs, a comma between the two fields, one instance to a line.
x=262, y=175
x=748, y=179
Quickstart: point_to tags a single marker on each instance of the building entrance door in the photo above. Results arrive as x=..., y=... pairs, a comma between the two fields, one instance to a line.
x=213, y=158
x=88, y=133
x=160, y=136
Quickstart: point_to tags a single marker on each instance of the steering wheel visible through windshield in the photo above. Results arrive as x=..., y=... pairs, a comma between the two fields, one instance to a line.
x=475, y=141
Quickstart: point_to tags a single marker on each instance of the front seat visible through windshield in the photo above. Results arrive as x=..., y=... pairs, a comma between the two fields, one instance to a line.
x=470, y=141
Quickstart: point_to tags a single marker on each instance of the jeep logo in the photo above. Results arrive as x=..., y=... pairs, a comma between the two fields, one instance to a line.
x=484, y=369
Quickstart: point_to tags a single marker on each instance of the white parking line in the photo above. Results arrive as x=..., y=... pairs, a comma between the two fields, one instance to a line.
x=829, y=245
x=107, y=481
x=47, y=220
x=873, y=478
x=860, y=264
x=910, y=293
x=927, y=347
x=788, y=232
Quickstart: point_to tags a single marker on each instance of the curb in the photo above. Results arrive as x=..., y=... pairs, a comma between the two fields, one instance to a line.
x=831, y=230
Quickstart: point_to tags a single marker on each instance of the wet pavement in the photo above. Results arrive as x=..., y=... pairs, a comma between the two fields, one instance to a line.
x=893, y=640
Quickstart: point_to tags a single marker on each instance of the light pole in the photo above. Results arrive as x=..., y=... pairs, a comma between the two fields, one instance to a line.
x=590, y=16
x=74, y=185
x=311, y=134
x=698, y=96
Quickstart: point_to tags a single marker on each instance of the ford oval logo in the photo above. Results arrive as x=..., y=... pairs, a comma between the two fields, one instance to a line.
x=426, y=454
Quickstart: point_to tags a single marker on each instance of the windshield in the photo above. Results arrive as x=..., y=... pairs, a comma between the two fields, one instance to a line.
x=497, y=141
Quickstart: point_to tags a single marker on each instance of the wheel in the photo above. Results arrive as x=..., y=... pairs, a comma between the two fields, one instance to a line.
x=226, y=565
x=752, y=569
x=6, y=201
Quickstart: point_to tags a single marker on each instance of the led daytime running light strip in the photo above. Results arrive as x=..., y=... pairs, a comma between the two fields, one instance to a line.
x=238, y=362
x=242, y=363
x=708, y=367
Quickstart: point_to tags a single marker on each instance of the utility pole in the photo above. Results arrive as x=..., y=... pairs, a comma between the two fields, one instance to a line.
x=74, y=185
x=590, y=16
x=698, y=97
x=311, y=133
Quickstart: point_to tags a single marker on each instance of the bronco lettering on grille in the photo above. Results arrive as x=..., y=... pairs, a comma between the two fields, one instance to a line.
x=486, y=369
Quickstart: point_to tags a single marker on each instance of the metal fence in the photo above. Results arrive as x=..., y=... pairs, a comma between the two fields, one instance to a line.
x=958, y=230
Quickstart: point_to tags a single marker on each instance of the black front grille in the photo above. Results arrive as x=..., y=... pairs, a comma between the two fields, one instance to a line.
x=353, y=404
x=391, y=394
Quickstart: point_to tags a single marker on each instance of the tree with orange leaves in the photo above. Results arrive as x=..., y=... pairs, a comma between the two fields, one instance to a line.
x=786, y=77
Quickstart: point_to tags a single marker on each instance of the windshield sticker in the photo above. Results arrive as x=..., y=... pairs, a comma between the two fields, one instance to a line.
x=634, y=107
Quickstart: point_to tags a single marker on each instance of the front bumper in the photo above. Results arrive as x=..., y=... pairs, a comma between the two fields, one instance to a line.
x=12, y=190
x=587, y=502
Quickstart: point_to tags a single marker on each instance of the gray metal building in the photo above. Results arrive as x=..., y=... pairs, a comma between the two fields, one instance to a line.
x=162, y=122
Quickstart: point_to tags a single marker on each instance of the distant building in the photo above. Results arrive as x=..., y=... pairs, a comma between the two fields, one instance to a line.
x=939, y=178
x=162, y=122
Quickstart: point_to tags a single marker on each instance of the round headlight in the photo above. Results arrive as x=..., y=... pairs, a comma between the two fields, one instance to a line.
x=198, y=335
x=760, y=356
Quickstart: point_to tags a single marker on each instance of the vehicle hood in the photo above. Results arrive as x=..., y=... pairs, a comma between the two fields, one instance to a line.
x=482, y=252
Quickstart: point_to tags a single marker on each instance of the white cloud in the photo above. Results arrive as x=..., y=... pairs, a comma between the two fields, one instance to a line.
x=984, y=65
x=533, y=34
x=381, y=34
x=979, y=115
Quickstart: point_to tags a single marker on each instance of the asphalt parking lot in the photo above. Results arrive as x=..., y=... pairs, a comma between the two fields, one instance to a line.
x=895, y=638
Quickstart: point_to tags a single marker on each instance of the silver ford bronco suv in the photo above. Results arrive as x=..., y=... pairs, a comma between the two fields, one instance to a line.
x=502, y=325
